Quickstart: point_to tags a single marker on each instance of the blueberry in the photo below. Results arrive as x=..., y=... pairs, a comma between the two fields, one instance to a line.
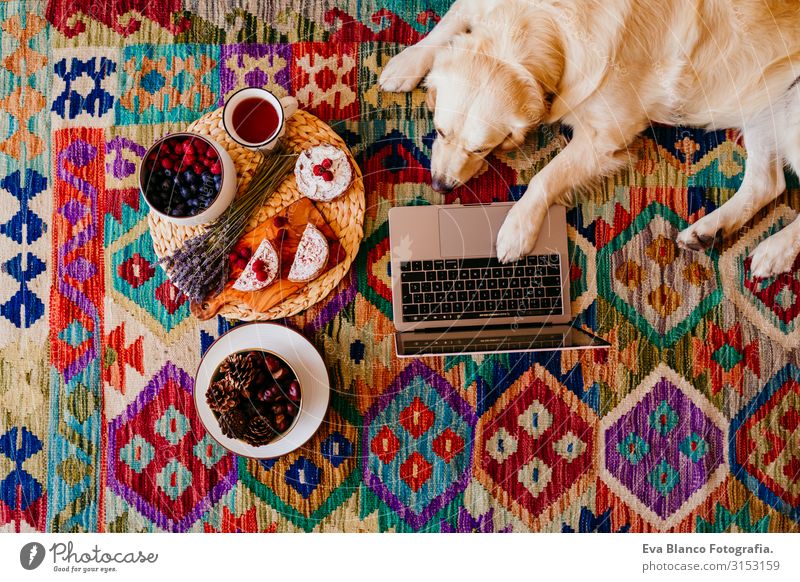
x=175, y=212
x=188, y=175
x=207, y=177
x=186, y=192
x=207, y=191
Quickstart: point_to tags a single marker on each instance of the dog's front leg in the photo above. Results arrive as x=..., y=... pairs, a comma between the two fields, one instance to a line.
x=777, y=254
x=582, y=160
x=763, y=182
x=406, y=70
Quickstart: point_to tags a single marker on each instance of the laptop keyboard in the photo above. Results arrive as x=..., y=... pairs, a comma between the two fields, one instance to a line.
x=447, y=290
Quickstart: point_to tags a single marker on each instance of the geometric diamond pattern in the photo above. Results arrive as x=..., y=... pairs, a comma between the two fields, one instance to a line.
x=432, y=438
x=143, y=285
x=189, y=477
x=694, y=446
x=663, y=477
x=661, y=445
x=208, y=451
x=303, y=476
x=645, y=272
x=501, y=445
x=535, y=444
x=173, y=426
x=767, y=303
x=764, y=446
x=174, y=479
x=633, y=447
x=663, y=418
x=306, y=486
x=442, y=444
x=137, y=454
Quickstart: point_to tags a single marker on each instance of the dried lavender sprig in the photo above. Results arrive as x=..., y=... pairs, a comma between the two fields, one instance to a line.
x=199, y=269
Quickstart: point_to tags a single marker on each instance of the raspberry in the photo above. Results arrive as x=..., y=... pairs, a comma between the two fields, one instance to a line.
x=328, y=176
x=216, y=168
x=261, y=275
x=318, y=170
x=327, y=163
x=258, y=265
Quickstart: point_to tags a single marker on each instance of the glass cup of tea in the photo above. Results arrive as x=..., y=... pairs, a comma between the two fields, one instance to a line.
x=256, y=119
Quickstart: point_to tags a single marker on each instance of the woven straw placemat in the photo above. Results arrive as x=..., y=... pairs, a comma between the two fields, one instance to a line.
x=345, y=214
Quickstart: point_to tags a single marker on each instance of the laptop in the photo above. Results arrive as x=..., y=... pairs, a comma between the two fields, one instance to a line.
x=450, y=294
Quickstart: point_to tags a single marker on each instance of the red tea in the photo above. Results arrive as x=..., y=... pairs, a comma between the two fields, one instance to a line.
x=255, y=120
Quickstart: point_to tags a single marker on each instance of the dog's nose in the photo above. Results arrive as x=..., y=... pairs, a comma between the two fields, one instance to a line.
x=441, y=185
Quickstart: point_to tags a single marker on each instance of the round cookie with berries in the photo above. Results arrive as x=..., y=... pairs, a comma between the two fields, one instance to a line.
x=323, y=173
x=261, y=270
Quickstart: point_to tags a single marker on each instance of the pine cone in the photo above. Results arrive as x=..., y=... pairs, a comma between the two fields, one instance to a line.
x=242, y=371
x=259, y=431
x=233, y=424
x=222, y=396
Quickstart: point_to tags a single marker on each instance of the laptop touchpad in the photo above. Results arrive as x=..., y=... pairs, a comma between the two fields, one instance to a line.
x=470, y=231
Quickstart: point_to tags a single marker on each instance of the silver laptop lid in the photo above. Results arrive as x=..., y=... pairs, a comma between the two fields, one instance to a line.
x=423, y=233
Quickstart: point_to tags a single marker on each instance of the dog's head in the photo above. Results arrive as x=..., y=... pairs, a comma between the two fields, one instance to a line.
x=481, y=101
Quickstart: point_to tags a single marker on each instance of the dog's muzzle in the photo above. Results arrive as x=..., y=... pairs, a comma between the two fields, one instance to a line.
x=441, y=185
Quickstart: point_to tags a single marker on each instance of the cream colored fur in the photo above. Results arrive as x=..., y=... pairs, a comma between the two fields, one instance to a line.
x=608, y=68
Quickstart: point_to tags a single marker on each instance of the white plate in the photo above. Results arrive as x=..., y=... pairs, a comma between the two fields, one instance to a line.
x=301, y=356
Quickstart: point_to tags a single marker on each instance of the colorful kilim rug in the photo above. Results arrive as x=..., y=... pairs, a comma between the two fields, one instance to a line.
x=691, y=422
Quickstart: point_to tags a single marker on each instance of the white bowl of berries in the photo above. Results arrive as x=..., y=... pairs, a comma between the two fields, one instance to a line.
x=187, y=178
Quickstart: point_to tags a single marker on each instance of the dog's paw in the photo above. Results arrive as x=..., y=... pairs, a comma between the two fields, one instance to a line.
x=404, y=71
x=518, y=235
x=701, y=234
x=772, y=257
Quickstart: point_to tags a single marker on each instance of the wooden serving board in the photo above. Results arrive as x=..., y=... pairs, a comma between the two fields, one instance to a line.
x=284, y=231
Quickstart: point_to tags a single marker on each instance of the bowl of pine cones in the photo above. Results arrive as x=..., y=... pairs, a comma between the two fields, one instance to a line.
x=261, y=390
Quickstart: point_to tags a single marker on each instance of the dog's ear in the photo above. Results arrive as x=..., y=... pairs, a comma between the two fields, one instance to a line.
x=533, y=100
x=515, y=139
x=430, y=98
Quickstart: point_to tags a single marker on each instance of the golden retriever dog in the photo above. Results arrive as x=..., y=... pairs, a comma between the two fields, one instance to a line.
x=608, y=68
